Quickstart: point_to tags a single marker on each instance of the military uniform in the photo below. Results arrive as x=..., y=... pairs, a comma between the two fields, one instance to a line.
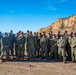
x=61, y=49
x=44, y=44
x=21, y=47
x=39, y=39
x=36, y=46
x=5, y=47
x=26, y=46
x=53, y=47
x=31, y=46
x=11, y=39
x=68, y=48
x=73, y=48
x=16, y=46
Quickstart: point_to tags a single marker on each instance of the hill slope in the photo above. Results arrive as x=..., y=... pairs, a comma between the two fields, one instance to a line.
x=61, y=24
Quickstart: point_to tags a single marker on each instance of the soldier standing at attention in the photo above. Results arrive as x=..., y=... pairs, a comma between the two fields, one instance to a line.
x=53, y=46
x=48, y=43
x=68, y=50
x=73, y=48
x=12, y=42
x=21, y=46
x=26, y=36
x=31, y=46
x=61, y=43
x=51, y=34
x=44, y=45
x=36, y=44
x=39, y=38
x=5, y=46
x=59, y=34
x=16, y=45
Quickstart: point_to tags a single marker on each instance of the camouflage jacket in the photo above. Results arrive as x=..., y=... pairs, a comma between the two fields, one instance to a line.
x=61, y=43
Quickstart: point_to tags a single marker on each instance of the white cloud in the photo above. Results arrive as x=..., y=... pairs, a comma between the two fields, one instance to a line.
x=52, y=8
x=50, y=5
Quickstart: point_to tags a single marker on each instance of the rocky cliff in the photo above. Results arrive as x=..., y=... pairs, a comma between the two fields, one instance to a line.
x=61, y=24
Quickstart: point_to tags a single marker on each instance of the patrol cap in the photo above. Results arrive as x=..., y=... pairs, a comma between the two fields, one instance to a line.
x=54, y=35
x=27, y=30
x=30, y=32
x=19, y=31
x=48, y=33
x=51, y=31
x=43, y=32
x=34, y=32
x=40, y=33
x=22, y=32
x=66, y=31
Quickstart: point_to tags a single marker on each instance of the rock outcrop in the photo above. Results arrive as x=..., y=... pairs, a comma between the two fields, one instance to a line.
x=61, y=24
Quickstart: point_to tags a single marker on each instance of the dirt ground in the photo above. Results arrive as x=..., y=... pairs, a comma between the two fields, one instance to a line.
x=37, y=68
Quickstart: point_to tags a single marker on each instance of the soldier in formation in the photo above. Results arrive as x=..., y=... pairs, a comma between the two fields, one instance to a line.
x=38, y=45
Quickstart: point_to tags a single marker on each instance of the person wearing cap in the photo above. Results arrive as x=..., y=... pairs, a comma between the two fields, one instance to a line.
x=36, y=44
x=53, y=46
x=16, y=45
x=21, y=46
x=31, y=46
x=73, y=48
x=11, y=38
x=61, y=43
x=44, y=45
x=26, y=36
x=5, y=46
x=59, y=34
x=68, y=48
x=39, y=38
x=51, y=34
x=48, y=36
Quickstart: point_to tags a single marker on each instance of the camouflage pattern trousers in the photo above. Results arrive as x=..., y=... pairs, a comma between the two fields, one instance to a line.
x=62, y=53
x=4, y=49
x=53, y=50
x=44, y=50
x=31, y=52
x=20, y=52
x=73, y=54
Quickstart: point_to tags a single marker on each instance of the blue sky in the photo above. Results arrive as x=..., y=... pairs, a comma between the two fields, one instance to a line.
x=33, y=14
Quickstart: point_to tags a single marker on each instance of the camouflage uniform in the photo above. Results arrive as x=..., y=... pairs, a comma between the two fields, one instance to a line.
x=36, y=46
x=11, y=38
x=16, y=46
x=39, y=39
x=61, y=48
x=21, y=47
x=72, y=42
x=26, y=46
x=31, y=46
x=53, y=47
x=68, y=48
x=44, y=44
x=5, y=47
